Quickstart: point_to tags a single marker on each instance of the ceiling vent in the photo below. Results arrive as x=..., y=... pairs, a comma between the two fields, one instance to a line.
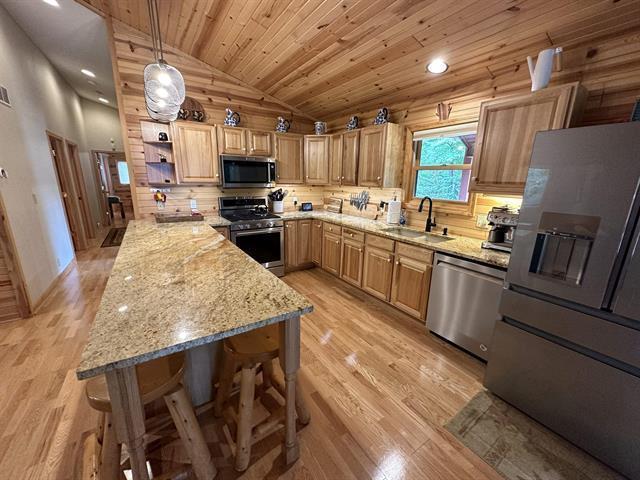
x=4, y=96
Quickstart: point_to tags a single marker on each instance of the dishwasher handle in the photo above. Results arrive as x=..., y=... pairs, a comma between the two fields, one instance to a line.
x=478, y=271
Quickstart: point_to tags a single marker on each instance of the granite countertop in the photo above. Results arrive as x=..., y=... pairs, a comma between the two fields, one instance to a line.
x=464, y=247
x=175, y=286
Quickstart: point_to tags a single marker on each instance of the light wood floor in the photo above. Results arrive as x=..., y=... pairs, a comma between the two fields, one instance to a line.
x=378, y=387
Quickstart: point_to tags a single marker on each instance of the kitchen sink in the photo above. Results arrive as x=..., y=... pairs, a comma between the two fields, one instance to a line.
x=407, y=232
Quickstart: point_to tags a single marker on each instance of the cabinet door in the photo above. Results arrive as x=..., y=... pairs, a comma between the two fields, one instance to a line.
x=316, y=242
x=352, y=261
x=290, y=244
x=196, y=153
x=259, y=143
x=289, y=158
x=331, y=253
x=506, y=130
x=410, y=288
x=372, y=151
x=316, y=159
x=350, y=152
x=232, y=140
x=335, y=164
x=304, y=242
x=378, y=272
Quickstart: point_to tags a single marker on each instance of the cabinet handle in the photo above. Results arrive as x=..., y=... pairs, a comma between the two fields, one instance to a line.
x=342, y=178
x=337, y=242
x=278, y=176
x=388, y=260
x=397, y=262
x=360, y=250
x=378, y=178
x=318, y=226
x=475, y=179
x=351, y=234
x=217, y=174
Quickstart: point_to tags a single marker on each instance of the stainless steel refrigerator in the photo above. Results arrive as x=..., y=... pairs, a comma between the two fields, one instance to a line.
x=567, y=348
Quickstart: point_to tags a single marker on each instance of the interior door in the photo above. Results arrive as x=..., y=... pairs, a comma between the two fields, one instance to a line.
x=575, y=212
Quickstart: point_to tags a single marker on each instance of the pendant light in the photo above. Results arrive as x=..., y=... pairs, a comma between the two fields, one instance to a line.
x=164, y=89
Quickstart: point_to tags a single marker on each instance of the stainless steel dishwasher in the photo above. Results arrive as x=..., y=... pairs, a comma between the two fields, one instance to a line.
x=463, y=302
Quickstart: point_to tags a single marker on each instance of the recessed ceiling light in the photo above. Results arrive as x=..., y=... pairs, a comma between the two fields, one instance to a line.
x=437, y=66
x=53, y=3
x=88, y=73
x=103, y=100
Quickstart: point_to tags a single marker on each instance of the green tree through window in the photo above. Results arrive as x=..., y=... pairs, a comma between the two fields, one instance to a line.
x=443, y=166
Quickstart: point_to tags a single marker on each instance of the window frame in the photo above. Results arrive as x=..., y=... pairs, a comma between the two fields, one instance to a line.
x=118, y=162
x=444, y=206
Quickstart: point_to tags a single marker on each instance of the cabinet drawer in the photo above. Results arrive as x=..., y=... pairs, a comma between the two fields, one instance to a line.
x=354, y=235
x=417, y=253
x=380, y=242
x=330, y=227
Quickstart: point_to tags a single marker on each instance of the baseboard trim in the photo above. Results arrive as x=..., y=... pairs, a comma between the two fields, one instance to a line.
x=56, y=281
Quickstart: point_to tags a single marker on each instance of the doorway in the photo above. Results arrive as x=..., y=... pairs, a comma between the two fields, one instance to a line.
x=71, y=199
x=111, y=174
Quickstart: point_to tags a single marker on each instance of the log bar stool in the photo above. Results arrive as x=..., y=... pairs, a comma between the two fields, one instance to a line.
x=156, y=379
x=248, y=351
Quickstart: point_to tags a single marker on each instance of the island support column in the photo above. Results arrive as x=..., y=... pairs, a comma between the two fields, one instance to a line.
x=290, y=363
x=128, y=417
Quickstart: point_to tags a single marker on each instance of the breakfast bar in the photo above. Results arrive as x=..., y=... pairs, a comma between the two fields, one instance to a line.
x=175, y=287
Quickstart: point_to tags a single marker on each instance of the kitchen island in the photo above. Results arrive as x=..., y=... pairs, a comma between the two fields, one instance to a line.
x=174, y=287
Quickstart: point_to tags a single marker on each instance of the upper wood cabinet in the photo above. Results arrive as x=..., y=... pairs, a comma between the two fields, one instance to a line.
x=260, y=143
x=316, y=159
x=350, y=155
x=335, y=159
x=381, y=156
x=316, y=242
x=243, y=141
x=507, y=128
x=343, y=155
x=233, y=140
x=195, y=152
x=289, y=158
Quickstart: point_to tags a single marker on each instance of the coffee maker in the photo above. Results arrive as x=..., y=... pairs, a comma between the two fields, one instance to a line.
x=503, y=223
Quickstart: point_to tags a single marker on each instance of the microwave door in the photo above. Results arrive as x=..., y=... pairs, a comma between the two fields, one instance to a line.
x=242, y=172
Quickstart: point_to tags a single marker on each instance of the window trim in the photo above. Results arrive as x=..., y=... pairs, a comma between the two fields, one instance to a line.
x=443, y=206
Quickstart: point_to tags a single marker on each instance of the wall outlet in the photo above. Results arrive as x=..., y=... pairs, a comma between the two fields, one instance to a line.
x=294, y=200
x=481, y=221
x=193, y=204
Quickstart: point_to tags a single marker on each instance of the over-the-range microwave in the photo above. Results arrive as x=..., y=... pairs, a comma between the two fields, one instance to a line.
x=247, y=172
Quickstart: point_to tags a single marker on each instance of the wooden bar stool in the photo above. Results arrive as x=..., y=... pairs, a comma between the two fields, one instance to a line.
x=160, y=378
x=248, y=352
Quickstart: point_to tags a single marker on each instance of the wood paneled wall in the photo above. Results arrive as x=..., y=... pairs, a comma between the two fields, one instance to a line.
x=215, y=91
x=607, y=67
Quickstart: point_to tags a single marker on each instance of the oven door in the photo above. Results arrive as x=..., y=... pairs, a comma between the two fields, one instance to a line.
x=247, y=172
x=265, y=246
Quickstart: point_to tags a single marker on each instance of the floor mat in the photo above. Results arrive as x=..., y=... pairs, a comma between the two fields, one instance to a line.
x=114, y=237
x=518, y=447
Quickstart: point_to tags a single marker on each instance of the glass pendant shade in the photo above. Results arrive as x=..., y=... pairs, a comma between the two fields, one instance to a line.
x=164, y=82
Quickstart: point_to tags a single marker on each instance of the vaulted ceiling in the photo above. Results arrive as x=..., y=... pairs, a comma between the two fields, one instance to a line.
x=327, y=57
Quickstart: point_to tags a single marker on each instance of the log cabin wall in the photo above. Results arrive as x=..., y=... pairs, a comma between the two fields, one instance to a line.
x=607, y=68
x=215, y=91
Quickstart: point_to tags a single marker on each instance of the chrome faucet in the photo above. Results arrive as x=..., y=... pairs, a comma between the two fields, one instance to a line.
x=430, y=222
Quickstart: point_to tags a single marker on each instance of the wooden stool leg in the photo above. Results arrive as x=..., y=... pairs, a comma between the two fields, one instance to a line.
x=128, y=417
x=267, y=374
x=225, y=383
x=110, y=456
x=245, y=418
x=189, y=430
x=290, y=363
x=122, y=210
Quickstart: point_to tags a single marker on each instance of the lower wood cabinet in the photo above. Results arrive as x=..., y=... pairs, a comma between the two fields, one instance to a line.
x=352, y=259
x=331, y=252
x=411, y=279
x=304, y=230
x=290, y=244
x=316, y=242
x=378, y=272
x=297, y=244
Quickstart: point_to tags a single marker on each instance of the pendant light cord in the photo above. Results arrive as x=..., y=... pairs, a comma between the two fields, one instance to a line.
x=156, y=36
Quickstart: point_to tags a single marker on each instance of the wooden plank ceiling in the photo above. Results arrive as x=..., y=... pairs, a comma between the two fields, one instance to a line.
x=331, y=57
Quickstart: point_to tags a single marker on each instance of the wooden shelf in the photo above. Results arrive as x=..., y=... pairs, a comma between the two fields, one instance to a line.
x=161, y=173
x=159, y=163
x=169, y=143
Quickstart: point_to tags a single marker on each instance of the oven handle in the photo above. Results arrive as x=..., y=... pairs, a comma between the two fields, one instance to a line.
x=246, y=233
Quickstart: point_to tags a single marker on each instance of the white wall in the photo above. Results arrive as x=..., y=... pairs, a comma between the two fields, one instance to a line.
x=42, y=100
x=102, y=132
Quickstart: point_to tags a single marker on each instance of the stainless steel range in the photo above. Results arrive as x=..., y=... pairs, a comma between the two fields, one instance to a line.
x=256, y=231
